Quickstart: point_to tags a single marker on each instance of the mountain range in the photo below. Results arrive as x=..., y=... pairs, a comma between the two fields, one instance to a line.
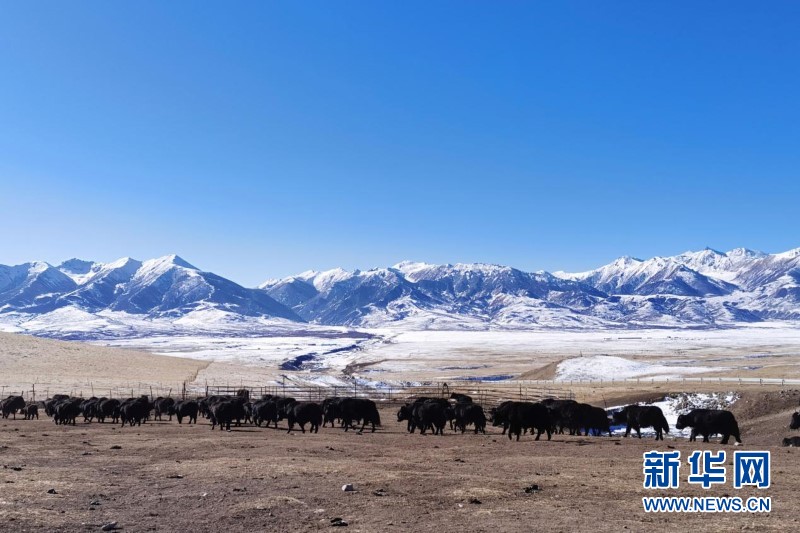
x=706, y=288
x=167, y=286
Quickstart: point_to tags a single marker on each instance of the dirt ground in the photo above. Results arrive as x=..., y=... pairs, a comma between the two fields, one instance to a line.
x=168, y=477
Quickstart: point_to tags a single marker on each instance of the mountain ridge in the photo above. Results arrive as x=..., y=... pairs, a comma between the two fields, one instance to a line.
x=705, y=288
x=164, y=286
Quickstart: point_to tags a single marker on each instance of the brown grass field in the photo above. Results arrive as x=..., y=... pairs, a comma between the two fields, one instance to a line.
x=75, y=366
x=162, y=476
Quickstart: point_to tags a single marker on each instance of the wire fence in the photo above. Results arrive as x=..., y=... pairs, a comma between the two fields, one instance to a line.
x=484, y=395
x=483, y=392
x=665, y=379
x=488, y=393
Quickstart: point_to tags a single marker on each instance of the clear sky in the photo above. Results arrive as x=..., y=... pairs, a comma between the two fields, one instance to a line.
x=260, y=139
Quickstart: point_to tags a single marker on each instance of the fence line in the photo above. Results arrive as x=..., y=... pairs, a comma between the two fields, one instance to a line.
x=664, y=379
x=484, y=392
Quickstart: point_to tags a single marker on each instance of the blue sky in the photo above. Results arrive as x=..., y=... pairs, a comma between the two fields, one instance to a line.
x=259, y=139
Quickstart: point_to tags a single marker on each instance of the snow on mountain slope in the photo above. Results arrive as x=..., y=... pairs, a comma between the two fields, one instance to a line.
x=71, y=322
x=673, y=311
x=719, y=265
x=163, y=286
x=736, y=286
x=101, y=285
x=688, y=290
x=350, y=299
x=768, y=269
x=34, y=286
x=408, y=291
x=403, y=313
x=738, y=268
x=324, y=281
x=704, y=289
x=291, y=292
x=469, y=282
x=64, y=322
x=78, y=269
x=297, y=291
x=171, y=285
x=778, y=299
x=523, y=312
x=659, y=275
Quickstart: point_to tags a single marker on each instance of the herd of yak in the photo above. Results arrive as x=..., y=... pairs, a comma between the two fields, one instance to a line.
x=424, y=414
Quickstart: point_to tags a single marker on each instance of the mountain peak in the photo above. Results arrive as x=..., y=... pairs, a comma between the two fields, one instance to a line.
x=409, y=268
x=744, y=252
x=306, y=275
x=407, y=263
x=626, y=260
x=122, y=262
x=76, y=266
x=712, y=251
x=38, y=266
x=77, y=269
x=179, y=261
x=169, y=261
x=789, y=254
x=323, y=281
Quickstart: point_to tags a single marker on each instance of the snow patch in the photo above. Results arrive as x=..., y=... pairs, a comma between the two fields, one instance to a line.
x=678, y=404
x=608, y=367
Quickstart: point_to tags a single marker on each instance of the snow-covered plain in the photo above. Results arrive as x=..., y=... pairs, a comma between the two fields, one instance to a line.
x=273, y=351
x=611, y=367
x=259, y=348
x=74, y=323
x=453, y=354
x=388, y=356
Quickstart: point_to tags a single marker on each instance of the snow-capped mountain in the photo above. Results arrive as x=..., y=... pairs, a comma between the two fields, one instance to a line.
x=736, y=286
x=33, y=286
x=99, y=284
x=706, y=288
x=167, y=286
x=409, y=290
x=659, y=275
x=694, y=289
x=719, y=265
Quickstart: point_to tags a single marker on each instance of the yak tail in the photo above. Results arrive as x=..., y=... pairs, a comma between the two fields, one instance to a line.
x=664, y=424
